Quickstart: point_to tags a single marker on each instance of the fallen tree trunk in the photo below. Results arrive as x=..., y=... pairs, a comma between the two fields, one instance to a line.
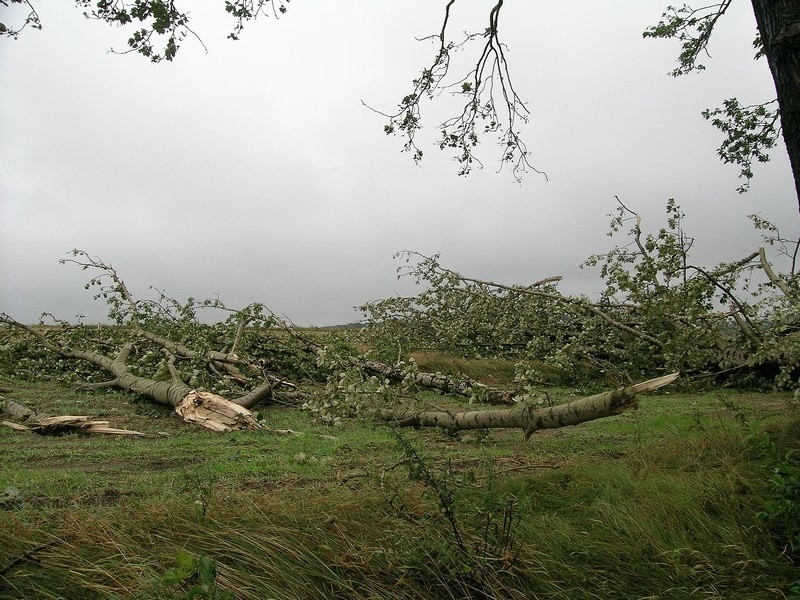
x=529, y=419
x=203, y=408
x=55, y=425
x=464, y=386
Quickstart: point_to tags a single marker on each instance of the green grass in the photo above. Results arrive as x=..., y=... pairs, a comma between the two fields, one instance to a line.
x=657, y=503
x=487, y=370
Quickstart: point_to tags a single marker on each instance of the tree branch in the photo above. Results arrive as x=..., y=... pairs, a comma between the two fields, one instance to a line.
x=529, y=419
x=773, y=277
x=489, y=94
x=691, y=27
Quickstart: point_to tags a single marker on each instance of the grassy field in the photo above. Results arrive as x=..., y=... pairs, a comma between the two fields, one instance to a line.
x=662, y=502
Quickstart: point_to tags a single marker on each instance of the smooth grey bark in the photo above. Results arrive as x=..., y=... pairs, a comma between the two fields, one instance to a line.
x=530, y=419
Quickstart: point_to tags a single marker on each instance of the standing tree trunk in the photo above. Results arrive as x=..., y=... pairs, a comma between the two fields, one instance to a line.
x=779, y=27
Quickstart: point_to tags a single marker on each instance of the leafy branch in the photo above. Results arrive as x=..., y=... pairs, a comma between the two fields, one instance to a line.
x=660, y=311
x=31, y=19
x=750, y=131
x=162, y=26
x=492, y=104
x=249, y=10
x=693, y=28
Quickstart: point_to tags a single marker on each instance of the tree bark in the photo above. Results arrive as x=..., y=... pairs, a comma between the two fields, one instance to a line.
x=779, y=26
x=55, y=425
x=530, y=419
x=203, y=408
x=465, y=386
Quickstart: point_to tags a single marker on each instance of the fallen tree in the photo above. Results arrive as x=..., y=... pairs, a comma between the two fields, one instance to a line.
x=212, y=374
x=460, y=386
x=139, y=315
x=203, y=408
x=246, y=349
x=217, y=413
x=736, y=322
x=464, y=386
x=529, y=419
x=232, y=353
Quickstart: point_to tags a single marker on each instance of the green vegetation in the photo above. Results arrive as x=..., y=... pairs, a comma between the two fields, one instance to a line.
x=675, y=499
x=691, y=494
x=735, y=323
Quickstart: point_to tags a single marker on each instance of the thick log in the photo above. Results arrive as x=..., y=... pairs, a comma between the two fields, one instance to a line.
x=530, y=419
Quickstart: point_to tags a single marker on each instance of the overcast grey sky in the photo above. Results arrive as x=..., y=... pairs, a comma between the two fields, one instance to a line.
x=254, y=172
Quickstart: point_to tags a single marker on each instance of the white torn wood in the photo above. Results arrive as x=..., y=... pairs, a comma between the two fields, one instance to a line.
x=56, y=425
x=215, y=412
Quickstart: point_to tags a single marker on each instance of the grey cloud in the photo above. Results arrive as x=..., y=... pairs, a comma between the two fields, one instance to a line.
x=254, y=171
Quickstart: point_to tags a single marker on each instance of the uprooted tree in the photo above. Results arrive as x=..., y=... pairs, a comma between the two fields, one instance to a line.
x=248, y=355
x=737, y=323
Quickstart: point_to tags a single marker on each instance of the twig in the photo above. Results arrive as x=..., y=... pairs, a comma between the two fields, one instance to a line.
x=27, y=556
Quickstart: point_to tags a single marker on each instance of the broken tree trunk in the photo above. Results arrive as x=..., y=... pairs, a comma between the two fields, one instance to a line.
x=464, y=386
x=203, y=408
x=55, y=425
x=530, y=419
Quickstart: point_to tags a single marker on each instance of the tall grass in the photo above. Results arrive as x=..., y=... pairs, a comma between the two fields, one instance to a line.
x=663, y=504
x=487, y=370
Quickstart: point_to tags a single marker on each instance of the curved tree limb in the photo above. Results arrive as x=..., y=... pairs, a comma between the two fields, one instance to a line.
x=773, y=277
x=693, y=28
x=575, y=301
x=738, y=309
x=431, y=266
x=208, y=410
x=32, y=19
x=530, y=419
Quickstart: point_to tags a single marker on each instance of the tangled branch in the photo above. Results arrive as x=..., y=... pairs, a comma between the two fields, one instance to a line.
x=492, y=104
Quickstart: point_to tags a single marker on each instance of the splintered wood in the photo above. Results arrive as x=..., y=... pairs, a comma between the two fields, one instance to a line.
x=215, y=412
x=55, y=425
